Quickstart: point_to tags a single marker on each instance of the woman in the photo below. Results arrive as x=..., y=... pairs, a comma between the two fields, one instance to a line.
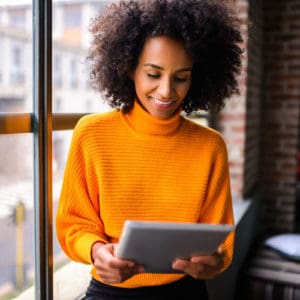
x=152, y=60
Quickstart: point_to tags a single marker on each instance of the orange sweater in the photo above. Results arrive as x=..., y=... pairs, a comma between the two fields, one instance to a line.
x=132, y=166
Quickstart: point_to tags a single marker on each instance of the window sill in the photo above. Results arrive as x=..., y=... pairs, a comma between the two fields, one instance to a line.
x=68, y=282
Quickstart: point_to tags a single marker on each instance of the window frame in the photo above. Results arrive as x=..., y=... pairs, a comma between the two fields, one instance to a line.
x=41, y=125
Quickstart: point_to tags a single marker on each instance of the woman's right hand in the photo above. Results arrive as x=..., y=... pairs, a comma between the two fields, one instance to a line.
x=110, y=268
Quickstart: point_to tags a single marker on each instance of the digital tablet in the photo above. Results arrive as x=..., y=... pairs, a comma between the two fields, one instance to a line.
x=157, y=244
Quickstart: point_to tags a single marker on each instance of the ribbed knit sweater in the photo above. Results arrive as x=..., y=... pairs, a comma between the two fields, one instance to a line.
x=133, y=166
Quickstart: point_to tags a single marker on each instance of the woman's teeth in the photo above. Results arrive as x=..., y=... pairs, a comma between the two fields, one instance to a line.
x=162, y=102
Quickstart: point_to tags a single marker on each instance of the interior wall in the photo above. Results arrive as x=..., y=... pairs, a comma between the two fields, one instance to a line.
x=280, y=113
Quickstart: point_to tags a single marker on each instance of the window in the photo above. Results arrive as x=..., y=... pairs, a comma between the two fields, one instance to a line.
x=16, y=214
x=72, y=16
x=57, y=70
x=1, y=64
x=73, y=73
x=17, y=18
x=28, y=192
x=17, y=64
x=16, y=153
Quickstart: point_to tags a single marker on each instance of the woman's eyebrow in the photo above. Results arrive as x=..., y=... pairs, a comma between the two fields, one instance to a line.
x=161, y=68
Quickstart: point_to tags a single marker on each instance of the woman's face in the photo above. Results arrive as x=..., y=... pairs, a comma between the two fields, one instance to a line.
x=163, y=76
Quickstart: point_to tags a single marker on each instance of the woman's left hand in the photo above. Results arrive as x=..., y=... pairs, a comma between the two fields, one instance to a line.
x=201, y=267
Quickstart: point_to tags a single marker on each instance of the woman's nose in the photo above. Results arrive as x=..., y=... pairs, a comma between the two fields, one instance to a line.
x=165, y=88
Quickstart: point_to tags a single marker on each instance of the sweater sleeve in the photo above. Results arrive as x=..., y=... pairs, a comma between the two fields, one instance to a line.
x=217, y=208
x=78, y=224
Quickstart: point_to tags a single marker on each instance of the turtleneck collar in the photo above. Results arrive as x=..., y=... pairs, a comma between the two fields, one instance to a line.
x=144, y=123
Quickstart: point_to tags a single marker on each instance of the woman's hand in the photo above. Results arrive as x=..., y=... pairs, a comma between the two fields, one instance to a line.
x=201, y=267
x=110, y=268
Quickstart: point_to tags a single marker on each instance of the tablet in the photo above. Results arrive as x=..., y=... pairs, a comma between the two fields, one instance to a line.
x=157, y=244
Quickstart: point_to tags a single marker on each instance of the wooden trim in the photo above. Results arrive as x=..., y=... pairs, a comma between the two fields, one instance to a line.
x=11, y=123
x=15, y=123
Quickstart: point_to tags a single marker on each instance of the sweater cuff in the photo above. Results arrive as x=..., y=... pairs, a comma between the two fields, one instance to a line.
x=84, y=245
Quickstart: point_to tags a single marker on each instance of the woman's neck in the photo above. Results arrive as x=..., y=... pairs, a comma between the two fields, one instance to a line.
x=144, y=123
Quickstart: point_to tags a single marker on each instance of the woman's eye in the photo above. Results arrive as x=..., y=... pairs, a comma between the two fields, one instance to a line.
x=180, y=79
x=153, y=75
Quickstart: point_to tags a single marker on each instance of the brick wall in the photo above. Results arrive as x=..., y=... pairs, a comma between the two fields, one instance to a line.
x=239, y=121
x=261, y=125
x=254, y=96
x=280, y=112
x=231, y=121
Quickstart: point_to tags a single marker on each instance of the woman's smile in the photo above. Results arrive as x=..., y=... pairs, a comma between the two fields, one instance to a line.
x=162, y=103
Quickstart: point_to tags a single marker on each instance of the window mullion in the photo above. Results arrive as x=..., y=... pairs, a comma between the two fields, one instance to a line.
x=42, y=129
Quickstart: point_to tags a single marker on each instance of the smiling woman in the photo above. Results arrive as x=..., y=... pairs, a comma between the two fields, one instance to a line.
x=144, y=160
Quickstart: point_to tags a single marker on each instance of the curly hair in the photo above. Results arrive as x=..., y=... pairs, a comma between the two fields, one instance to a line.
x=209, y=31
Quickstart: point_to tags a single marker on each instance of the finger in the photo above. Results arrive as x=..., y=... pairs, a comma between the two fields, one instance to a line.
x=221, y=251
x=140, y=269
x=195, y=270
x=200, y=259
x=211, y=260
x=117, y=263
x=119, y=275
x=180, y=264
x=107, y=256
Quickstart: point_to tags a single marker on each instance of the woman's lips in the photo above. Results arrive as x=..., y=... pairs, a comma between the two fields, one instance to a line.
x=162, y=103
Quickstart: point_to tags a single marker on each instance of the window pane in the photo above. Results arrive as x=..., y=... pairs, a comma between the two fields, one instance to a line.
x=72, y=16
x=16, y=56
x=71, y=88
x=16, y=213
